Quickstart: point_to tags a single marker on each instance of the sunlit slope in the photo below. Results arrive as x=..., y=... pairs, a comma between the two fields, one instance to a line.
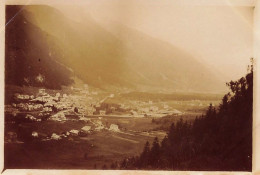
x=93, y=54
x=163, y=64
x=118, y=57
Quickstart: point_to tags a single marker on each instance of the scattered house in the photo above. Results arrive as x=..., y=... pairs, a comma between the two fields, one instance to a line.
x=84, y=118
x=43, y=114
x=22, y=107
x=60, y=116
x=40, y=78
x=47, y=109
x=86, y=128
x=42, y=99
x=54, y=136
x=34, y=107
x=113, y=109
x=42, y=92
x=49, y=104
x=99, y=125
x=114, y=128
x=56, y=99
x=57, y=95
x=74, y=132
x=35, y=134
x=90, y=112
x=21, y=96
x=32, y=118
x=102, y=112
x=99, y=128
x=61, y=106
x=63, y=135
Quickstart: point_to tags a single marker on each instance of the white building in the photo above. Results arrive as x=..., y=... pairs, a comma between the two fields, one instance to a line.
x=114, y=128
x=102, y=112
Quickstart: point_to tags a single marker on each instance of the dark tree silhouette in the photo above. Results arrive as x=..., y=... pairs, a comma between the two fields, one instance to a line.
x=219, y=140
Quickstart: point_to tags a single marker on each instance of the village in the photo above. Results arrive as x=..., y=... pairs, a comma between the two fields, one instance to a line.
x=81, y=104
x=82, y=116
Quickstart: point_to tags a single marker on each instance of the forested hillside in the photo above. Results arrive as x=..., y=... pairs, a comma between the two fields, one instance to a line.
x=221, y=139
x=29, y=60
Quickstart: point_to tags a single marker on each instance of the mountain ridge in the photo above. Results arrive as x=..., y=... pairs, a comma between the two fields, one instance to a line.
x=129, y=59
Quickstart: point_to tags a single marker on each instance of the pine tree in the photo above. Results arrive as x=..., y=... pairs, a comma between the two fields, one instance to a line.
x=155, y=153
x=144, y=158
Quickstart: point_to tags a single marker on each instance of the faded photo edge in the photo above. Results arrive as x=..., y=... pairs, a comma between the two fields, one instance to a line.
x=256, y=104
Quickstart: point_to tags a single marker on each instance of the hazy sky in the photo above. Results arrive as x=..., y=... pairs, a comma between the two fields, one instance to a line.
x=220, y=36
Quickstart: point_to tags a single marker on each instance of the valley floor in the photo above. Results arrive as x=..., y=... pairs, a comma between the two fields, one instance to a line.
x=53, y=134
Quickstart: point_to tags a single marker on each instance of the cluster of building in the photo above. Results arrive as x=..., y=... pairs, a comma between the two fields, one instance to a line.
x=56, y=105
x=82, y=102
x=92, y=126
x=149, y=109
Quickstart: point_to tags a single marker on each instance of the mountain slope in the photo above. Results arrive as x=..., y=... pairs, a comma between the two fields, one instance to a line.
x=120, y=58
x=93, y=53
x=27, y=59
x=165, y=64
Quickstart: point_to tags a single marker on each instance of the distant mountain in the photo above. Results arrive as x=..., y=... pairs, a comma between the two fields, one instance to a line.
x=160, y=63
x=93, y=53
x=107, y=58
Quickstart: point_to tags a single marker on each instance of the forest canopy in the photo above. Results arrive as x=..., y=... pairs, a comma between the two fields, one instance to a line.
x=221, y=139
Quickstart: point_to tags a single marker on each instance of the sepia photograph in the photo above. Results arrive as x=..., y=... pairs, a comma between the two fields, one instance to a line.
x=129, y=85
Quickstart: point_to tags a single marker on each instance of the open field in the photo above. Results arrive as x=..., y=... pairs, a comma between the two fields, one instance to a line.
x=62, y=142
x=101, y=147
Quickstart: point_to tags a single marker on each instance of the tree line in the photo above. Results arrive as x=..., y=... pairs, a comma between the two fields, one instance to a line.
x=221, y=139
